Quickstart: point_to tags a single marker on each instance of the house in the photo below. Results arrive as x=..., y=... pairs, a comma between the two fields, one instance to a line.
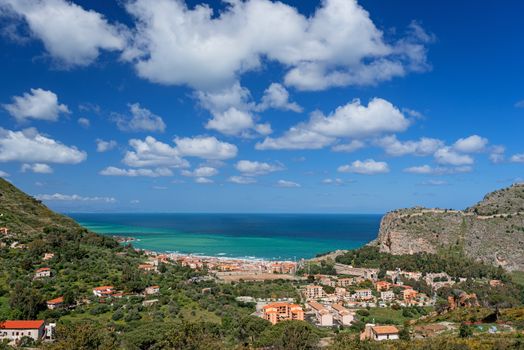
x=387, y=295
x=323, y=316
x=277, y=312
x=103, y=291
x=409, y=295
x=495, y=283
x=314, y=292
x=4, y=231
x=345, y=282
x=55, y=303
x=379, y=333
x=340, y=292
x=152, y=290
x=147, y=267
x=43, y=272
x=342, y=315
x=48, y=256
x=363, y=294
x=382, y=286
x=15, y=330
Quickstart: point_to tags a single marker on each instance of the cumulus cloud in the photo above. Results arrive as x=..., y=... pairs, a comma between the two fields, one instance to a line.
x=366, y=167
x=39, y=168
x=151, y=152
x=84, y=122
x=471, y=144
x=517, y=158
x=114, y=171
x=446, y=155
x=423, y=147
x=71, y=35
x=496, y=153
x=206, y=147
x=337, y=45
x=203, y=180
x=288, y=184
x=4, y=174
x=352, y=120
x=30, y=146
x=104, y=146
x=276, y=96
x=38, y=104
x=254, y=168
x=204, y=171
x=242, y=180
x=73, y=198
x=141, y=119
x=349, y=147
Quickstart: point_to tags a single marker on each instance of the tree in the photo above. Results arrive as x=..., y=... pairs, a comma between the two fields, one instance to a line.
x=465, y=331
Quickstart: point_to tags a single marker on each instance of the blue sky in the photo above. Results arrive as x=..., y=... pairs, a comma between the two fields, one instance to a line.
x=259, y=106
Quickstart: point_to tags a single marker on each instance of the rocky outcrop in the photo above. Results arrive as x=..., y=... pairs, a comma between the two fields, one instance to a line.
x=491, y=231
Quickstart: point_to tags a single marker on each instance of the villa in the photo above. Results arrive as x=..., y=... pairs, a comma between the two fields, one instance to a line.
x=379, y=333
x=43, y=272
x=103, y=291
x=152, y=290
x=15, y=330
x=55, y=303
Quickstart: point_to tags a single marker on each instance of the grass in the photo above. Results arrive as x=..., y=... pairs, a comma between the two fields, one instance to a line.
x=518, y=277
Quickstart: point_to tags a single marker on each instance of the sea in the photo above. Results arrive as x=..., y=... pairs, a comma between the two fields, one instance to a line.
x=246, y=236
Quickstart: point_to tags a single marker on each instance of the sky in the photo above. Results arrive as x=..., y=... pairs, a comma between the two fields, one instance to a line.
x=332, y=106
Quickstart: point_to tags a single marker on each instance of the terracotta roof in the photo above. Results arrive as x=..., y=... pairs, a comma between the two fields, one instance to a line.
x=43, y=269
x=316, y=306
x=22, y=324
x=339, y=308
x=154, y=287
x=103, y=288
x=58, y=300
x=385, y=329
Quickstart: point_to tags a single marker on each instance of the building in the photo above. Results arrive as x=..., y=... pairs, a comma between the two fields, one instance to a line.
x=55, y=303
x=382, y=286
x=277, y=312
x=323, y=316
x=379, y=333
x=4, y=231
x=147, y=267
x=345, y=282
x=103, y=291
x=363, y=294
x=314, y=292
x=410, y=295
x=15, y=330
x=152, y=290
x=387, y=295
x=48, y=256
x=341, y=292
x=43, y=272
x=495, y=283
x=342, y=315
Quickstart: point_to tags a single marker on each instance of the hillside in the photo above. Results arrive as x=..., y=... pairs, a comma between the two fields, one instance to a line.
x=26, y=215
x=491, y=231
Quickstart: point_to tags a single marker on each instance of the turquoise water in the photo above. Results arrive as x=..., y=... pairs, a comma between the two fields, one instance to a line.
x=266, y=236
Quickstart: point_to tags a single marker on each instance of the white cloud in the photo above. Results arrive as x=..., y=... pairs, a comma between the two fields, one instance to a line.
x=366, y=167
x=242, y=180
x=206, y=147
x=254, y=168
x=141, y=119
x=73, y=198
x=288, y=184
x=352, y=120
x=4, y=174
x=447, y=155
x=39, y=168
x=38, y=104
x=434, y=183
x=426, y=170
x=114, y=171
x=104, y=146
x=84, y=122
x=337, y=181
x=277, y=97
x=517, y=158
x=471, y=144
x=352, y=146
x=423, y=147
x=203, y=180
x=231, y=122
x=496, y=154
x=32, y=147
x=337, y=45
x=150, y=152
x=70, y=34
x=204, y=171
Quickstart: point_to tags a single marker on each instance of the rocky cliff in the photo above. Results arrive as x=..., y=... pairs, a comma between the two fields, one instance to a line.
x=491, y=231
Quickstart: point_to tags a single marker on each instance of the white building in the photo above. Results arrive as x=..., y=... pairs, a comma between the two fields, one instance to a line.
x=363, y=294
x=379, y=333
x=43, y=272
x=152, y=290
x=323, y=316
x=342, y=315
x=387, y=295
x=15, y=330
x=103, y=291
x=314, y=292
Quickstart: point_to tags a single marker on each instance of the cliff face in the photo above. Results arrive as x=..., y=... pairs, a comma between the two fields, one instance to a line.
x=491, y=231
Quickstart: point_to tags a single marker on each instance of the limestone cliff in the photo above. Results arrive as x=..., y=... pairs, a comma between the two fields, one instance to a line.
x=491, y=231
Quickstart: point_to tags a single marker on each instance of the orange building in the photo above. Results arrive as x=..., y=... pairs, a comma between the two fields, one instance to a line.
x=276, y=312
x=410, y=295
x=382, y=286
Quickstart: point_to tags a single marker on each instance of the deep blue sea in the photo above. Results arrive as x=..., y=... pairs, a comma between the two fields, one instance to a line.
x=266, y=236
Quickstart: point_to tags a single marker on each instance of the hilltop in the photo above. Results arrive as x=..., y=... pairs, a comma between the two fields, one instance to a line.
x=491, y=231
x=24, y=214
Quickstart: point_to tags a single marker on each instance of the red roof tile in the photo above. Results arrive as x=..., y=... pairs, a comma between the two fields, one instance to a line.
x=21, y=324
